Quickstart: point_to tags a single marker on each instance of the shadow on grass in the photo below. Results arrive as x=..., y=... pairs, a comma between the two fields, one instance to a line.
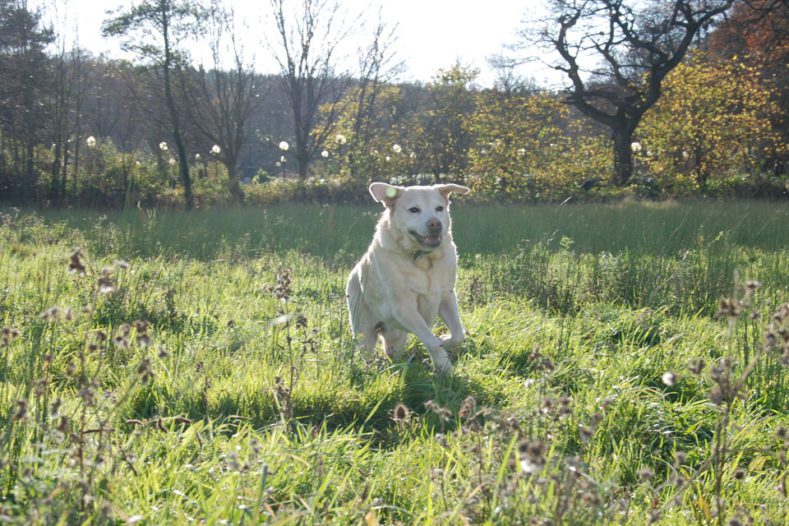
x=366, y=406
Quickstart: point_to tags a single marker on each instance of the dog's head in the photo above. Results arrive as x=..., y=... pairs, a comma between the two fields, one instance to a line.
x=419, y=213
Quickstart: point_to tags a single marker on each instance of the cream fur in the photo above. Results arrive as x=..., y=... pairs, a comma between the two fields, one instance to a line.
x=406, y=279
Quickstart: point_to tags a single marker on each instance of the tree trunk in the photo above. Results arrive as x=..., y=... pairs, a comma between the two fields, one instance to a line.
x=303, y=159
x=623, y=155
x=233, y=184
x=172, y=109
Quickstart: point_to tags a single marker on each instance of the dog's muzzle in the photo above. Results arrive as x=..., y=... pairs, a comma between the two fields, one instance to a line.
x=433, y=237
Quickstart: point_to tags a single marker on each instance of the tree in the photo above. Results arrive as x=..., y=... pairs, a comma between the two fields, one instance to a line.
x=632, y=47
x=713, y=120
x=757, y=34
x=224, y=99
x=307, y=48
x=172, y=21
x=532, y=146
x=446, y=138
x=25, y=84
x=377, y=68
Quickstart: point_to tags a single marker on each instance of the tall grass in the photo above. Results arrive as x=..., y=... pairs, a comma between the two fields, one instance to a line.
x=664, y=228
x=199, y=367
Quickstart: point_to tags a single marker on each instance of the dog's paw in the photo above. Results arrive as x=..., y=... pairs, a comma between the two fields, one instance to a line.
x=441, y=361
x=447, y=342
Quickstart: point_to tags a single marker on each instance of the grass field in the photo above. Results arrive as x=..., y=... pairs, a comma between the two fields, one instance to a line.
x=199, y=368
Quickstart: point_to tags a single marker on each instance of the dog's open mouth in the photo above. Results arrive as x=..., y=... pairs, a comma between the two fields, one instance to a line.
x=430, y=241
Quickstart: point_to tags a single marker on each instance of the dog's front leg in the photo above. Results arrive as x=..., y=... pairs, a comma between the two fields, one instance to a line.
x=448, y=310
x=409, y=318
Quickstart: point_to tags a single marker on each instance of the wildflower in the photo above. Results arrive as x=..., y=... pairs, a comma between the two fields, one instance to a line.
x=284, y=146
x=401, y=414
x=696, y=366
x=646, y=474
x=163, y=146
x=396, y=148
x=141, y=327
x=7, y=335
x=144, y=370
x=283, y=160
x=51, y=314
x=88, y=395
x=590, y=499
x=282, y=289
x=90, y=141
x=76, y=264
x=468, y=408
x=669, y=378
x=340, y=139
x=63, y=424
x=105, y=281
x=442, y=412
x=586, y=434
x=216, y=150
x=171, y=161
x=716, y=395
x=533, y=457
x=752, y=284
x=21, y=410
x=729, y=307
x=122, y=336
x=635, y=147
x=197, y=157
x=325, y=154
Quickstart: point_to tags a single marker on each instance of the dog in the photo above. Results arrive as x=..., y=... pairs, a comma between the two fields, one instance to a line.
x=406, y=279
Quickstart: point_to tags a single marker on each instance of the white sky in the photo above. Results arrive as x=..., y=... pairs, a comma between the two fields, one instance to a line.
x=431, y=34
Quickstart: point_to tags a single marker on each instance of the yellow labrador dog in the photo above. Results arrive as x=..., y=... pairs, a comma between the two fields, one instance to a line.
x=407, y=277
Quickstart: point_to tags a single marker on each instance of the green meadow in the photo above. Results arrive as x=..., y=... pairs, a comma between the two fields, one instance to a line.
x=625, y=364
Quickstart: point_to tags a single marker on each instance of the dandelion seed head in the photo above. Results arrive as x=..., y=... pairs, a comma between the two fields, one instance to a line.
x=669, y=378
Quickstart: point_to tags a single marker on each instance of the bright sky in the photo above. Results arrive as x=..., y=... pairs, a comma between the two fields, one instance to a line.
x=431, y=34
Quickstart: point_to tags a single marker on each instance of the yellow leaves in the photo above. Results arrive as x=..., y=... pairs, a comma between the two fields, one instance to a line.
x=721, y=111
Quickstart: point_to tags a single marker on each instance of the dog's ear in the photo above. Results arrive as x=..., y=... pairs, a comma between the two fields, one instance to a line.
x=446, y=189
x=385, y=193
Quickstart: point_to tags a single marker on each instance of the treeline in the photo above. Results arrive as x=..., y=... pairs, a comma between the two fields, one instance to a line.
x=76, y=129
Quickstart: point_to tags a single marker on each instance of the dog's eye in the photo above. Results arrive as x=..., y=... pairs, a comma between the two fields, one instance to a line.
x=414, y=210
x=439, y=209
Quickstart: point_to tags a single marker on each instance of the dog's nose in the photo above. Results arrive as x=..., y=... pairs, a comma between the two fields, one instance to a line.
x=434, y=226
